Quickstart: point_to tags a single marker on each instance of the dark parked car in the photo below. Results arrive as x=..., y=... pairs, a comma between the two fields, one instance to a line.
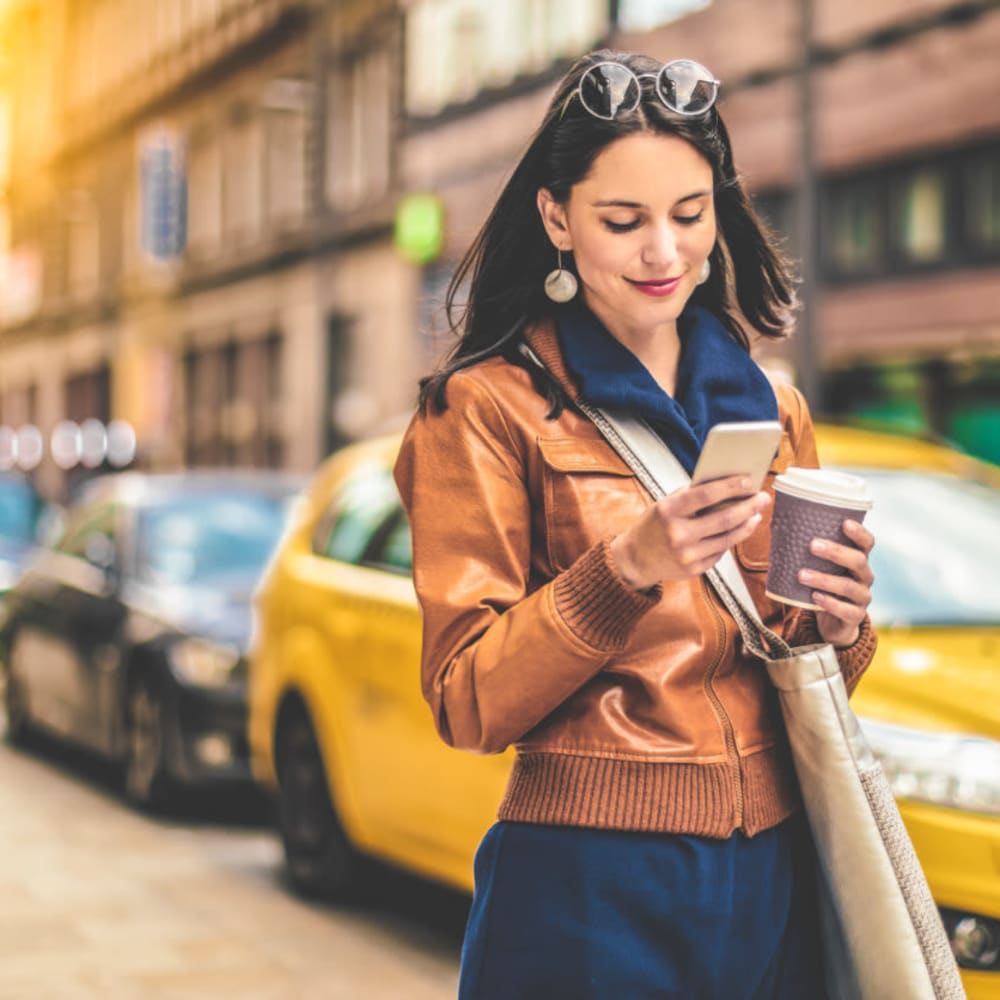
x=127, y=635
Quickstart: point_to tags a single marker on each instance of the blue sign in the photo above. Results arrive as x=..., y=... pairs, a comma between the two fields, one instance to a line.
x=163, y=197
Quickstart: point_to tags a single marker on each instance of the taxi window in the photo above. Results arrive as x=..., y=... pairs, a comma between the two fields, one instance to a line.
x=391, y=549
x=362, y=525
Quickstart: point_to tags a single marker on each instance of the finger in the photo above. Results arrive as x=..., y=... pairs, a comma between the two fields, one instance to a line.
x=732, y=516
x=712, y=548
x=853, y=560
x=855, y=592
x=860, y=535
x=693, y=499
x=846, y=611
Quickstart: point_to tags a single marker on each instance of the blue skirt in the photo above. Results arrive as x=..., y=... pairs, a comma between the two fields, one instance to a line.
x=566, y=912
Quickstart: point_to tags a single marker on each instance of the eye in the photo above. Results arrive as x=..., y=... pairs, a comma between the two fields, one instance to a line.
x=621, y=227
x=689, y=220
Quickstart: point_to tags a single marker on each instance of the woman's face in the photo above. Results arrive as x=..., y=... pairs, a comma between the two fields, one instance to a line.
x=641, y=225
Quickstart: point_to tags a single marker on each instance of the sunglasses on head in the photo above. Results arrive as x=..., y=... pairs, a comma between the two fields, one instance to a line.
x=611, y=88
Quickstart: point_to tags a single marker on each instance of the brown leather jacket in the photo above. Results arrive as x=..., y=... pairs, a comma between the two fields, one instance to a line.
x=627, y=710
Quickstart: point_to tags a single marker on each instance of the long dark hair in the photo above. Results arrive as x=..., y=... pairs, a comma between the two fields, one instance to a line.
x=509, y=258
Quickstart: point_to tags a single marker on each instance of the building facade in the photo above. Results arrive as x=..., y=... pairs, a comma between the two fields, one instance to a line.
x=901, y=156
x=202, y=211
x=199, y=203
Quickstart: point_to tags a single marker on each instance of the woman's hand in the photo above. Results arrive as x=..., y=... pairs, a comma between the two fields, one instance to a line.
x=844, y=599
x=677, y=539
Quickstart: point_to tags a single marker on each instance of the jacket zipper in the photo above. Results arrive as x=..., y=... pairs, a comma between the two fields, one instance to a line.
x=720, y=711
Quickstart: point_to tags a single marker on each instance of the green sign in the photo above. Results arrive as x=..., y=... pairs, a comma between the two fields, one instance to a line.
x=419, y=228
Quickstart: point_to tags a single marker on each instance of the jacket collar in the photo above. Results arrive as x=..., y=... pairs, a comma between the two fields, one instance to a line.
x=717, y=380
x=543, y=339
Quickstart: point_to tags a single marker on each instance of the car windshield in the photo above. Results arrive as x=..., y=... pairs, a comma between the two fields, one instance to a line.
x=216, y=539
x=19, y=510
x=937, y=549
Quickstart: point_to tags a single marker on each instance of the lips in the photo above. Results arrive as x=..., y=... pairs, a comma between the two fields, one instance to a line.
x=659, y=288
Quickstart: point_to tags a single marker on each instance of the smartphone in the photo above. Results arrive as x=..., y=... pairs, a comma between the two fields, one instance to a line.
x=746, y=448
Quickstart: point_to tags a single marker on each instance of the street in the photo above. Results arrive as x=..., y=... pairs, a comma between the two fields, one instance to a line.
x=99, y=901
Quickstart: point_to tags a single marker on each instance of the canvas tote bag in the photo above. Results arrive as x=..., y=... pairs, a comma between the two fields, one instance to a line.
x=882, y=935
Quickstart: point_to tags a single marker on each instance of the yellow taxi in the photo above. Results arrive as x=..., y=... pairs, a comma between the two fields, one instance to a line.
x=340, y=732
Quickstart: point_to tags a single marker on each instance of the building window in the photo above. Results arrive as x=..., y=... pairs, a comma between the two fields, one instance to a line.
x=204, y=198
x=82, y=246
x=242, y=189
x=204, y=397
x=855, y=229
x=338, y=372
x=359, y=130
x=921, y=216
x=88, y=396
x=457, y=48
x=234, y=396
x=644, y=15
x=982, y=205
x=285, y=105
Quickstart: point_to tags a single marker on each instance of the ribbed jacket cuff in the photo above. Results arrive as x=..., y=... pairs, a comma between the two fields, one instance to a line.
x=596, y=604
x=853, y=659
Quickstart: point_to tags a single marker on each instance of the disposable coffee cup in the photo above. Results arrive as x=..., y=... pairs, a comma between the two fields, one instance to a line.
x=808, y=504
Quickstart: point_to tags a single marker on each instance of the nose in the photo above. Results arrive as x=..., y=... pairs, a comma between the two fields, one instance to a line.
x=661, y=247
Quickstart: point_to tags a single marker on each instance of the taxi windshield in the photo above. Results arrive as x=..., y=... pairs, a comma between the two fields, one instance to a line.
x=937, y=549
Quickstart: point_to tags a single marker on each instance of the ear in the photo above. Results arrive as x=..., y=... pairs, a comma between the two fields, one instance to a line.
x=554, y=220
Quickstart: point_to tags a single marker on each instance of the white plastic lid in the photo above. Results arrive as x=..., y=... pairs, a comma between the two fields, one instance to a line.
x=825, y=486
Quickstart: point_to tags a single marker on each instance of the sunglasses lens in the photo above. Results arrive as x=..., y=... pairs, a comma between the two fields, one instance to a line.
x=608, y=89
x=687, y=87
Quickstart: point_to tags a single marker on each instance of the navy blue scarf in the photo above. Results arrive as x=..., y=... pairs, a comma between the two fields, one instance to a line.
x=717, y=380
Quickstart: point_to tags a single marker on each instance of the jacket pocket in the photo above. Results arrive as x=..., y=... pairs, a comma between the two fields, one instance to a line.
x=589, y=494
x=754, y=553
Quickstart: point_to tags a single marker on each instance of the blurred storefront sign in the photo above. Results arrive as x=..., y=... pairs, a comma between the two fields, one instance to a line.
x=163, y=193
x=20, y=284
x=418, y=231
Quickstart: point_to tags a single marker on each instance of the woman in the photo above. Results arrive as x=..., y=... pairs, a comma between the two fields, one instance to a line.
x=649, y=843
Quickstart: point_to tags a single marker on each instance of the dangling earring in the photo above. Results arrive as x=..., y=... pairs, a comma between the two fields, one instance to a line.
x=706, y=270
x=560, y=284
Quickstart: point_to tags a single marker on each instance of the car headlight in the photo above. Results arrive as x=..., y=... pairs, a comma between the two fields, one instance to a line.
x=204, y=664
x=945, y=769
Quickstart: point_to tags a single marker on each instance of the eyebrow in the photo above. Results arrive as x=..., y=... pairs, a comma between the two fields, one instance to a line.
x=623, y=203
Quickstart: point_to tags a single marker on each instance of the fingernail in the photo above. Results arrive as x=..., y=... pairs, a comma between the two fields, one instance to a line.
x=819, y=546
x=806, y=575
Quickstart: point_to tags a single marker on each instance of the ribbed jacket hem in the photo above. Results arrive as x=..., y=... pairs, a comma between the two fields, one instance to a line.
x=709, y=800
x=596, y=604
